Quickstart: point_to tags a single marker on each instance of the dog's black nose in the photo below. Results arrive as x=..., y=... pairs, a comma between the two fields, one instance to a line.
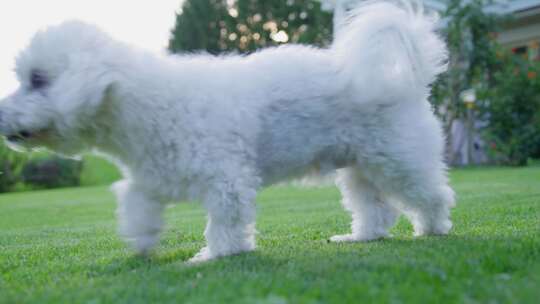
x=25, y=134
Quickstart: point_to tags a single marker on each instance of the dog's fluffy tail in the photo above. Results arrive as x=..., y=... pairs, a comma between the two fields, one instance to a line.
x=389, y=51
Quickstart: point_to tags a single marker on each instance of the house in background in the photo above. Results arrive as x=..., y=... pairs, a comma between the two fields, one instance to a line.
x=522, y=34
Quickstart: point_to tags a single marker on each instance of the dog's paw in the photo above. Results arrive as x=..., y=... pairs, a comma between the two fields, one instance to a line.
x=440, y=228
x=203, y=255
x=349, y=238
x=143, y=245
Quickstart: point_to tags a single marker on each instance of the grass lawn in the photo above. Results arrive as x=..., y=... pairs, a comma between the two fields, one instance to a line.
x=60, y=246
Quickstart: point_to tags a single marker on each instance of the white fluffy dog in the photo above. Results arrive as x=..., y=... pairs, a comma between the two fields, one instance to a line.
x=216, y=129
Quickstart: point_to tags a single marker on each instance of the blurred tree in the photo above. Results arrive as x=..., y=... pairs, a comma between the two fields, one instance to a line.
x=245, y=25
x=198, y=26
x=470, y=33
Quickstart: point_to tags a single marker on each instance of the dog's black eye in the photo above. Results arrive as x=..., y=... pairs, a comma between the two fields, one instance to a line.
x=38, y=80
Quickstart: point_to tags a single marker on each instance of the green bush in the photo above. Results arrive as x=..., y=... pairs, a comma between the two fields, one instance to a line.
x=10, y=166
x=52, y=172
x=25, y=171
x=512, y=110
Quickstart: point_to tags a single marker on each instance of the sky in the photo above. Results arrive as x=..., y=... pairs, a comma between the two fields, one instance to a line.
x=144, y=23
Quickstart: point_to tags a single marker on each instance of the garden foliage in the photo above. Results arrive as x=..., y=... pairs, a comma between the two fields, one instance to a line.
x=512, y=109
x=506, y=84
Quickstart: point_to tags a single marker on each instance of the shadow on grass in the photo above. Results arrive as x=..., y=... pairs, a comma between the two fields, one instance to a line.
x=495, y=255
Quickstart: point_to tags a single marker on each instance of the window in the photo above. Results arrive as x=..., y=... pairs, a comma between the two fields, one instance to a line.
x=530, y=51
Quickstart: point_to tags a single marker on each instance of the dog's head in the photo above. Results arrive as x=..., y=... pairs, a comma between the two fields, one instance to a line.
x=64, y=79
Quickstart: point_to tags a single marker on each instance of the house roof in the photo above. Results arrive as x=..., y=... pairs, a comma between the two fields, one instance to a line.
x=497, y=7
x=525, y=28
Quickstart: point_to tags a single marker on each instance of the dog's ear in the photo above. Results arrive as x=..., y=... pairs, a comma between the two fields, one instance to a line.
x=79, y=93
x=82, y=89
x=96, y=88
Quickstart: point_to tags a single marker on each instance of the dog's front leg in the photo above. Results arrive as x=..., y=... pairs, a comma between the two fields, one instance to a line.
x=231, y=221
x=140, y=217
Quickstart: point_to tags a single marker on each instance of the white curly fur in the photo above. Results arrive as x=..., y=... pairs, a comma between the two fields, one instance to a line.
x=217, y=129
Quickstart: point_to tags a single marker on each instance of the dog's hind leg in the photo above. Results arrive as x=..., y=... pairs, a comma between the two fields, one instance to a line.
x=231, y=219
x=140, y=216
x=371, y=215
x=426, y=200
